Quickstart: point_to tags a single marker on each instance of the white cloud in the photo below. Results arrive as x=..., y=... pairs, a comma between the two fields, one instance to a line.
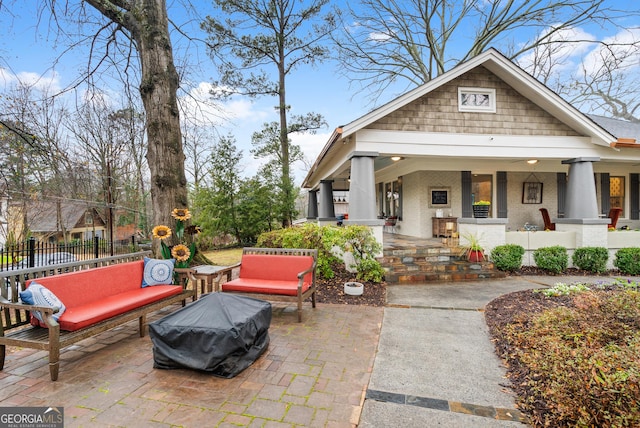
x=48, y=83
x=199, y=105
x=379, y=37
x=244, y=109
x=580, y=50
x=6, y=78
x=618, y=45
x=311, y=145
x=570, y=45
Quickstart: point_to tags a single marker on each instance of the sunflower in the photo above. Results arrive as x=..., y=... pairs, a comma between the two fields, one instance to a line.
x=181, y=253
x=181, y=214
x=193, y=229
x=161, y=232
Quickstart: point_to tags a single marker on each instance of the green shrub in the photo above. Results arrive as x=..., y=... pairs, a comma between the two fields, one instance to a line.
x=358, y=240
x=592, y=259
x=553, y=259
x=628, y=260
x=507, y=257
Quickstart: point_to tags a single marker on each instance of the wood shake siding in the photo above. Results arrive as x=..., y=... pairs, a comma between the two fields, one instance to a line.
x=438, y=112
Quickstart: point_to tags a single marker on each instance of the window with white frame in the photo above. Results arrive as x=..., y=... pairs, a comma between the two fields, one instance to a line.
x=477, y=100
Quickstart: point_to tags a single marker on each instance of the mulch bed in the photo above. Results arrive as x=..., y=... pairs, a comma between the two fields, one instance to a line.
x=332, y=290
x=519, y=308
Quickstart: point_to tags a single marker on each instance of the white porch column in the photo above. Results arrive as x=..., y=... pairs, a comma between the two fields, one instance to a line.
x=581, y=201
x=362, y=193
x=581, y=206
x=362, y=189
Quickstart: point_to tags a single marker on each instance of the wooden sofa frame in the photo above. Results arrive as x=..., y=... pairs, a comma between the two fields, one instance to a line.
x=300, y=295
x=16, y=329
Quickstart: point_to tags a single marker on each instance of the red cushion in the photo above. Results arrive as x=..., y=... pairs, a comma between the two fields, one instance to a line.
x=94, y=285
x=90, y=313
x=275, y=267
x=247, y=285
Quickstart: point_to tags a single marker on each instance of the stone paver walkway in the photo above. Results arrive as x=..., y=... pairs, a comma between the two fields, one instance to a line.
x=314, y=374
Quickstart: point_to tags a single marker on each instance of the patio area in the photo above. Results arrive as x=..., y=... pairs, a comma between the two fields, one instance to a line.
x=314, y=374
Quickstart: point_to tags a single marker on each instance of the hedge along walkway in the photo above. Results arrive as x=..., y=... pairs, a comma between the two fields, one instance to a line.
x=314, y=374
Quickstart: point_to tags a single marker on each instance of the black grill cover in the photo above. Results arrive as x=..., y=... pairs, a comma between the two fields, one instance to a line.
x=220, y=333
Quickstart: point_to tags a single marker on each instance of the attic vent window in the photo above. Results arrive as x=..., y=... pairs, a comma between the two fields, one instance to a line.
x=88, y=218
x=477, y=100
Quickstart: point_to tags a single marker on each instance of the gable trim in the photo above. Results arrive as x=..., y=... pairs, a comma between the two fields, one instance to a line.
x=514, y=76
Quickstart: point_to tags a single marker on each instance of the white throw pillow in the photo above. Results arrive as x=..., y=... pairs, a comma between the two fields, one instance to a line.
x=37, y=294
x=157, y=272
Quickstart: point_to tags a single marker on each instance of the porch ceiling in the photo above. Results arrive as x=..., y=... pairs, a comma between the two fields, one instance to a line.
x=387, y=170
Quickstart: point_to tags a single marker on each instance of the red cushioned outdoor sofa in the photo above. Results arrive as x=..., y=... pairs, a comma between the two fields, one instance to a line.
x=94, y=300
x=277, y=274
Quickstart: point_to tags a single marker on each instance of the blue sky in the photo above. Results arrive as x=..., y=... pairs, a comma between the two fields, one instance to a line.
x=28, y=55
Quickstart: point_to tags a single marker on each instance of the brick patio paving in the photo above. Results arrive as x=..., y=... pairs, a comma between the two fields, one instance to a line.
x=314, y=374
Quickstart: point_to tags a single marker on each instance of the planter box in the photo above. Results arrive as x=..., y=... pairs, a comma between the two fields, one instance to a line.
x=481, y=211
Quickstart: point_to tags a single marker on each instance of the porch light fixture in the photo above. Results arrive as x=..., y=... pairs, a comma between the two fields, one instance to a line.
x=532, y=161
x=396, y=158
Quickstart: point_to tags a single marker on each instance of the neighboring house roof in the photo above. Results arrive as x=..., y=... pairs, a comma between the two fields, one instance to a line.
x=496, y=63
x=42, y=218
x=626, y=132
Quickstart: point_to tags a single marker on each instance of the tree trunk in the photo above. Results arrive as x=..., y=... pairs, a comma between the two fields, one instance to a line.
x=158, y=88
x=284, y=143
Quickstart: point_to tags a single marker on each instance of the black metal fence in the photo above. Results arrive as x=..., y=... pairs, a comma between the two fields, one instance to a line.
x=32, y=253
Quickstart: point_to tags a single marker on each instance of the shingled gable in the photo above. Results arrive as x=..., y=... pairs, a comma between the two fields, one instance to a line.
x=496, y=63
x=512, y=75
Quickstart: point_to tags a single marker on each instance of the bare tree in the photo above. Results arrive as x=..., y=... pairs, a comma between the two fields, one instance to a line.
x=135, y=170
x=608, y=81
x=403, y=44
x=38, y=164
x=129, y=37
x=198, y=143
x=103, y=145
x=251, y=40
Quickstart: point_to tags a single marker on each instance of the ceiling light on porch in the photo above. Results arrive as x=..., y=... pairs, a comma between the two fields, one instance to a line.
x=396, y=158
x=532, y=161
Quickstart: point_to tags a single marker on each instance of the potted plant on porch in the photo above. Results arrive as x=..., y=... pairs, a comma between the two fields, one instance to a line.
x=481, y=209
x=472, y=249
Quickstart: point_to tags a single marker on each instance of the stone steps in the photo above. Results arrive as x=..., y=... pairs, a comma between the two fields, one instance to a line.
x=433, y=264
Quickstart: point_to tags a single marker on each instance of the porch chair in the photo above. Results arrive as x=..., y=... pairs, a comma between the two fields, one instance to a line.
x=614, y=214
x=547, y=220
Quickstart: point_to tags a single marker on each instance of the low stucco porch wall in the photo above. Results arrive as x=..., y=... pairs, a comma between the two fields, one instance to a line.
x=623, y=238
x=532, y=240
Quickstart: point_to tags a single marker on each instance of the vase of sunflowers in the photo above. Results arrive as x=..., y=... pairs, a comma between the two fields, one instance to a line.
x=185, y=247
